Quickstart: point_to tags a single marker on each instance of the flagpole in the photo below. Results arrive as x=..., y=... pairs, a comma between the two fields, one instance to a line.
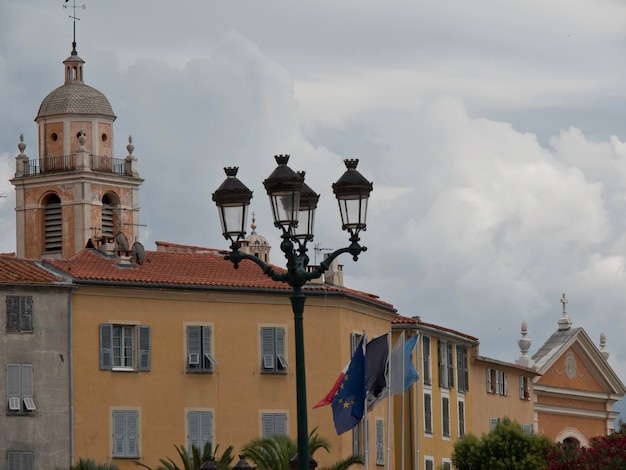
x=365, y=419
x=388, y=399
x=403, y=372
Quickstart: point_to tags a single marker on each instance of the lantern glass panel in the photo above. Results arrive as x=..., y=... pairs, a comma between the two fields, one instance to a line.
x=233, y=218
x=284, y=208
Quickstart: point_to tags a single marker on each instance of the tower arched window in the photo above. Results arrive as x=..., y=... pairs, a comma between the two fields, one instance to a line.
x=53, y=224
x=109, y=215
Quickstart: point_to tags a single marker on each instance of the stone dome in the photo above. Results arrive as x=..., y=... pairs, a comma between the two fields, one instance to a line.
x=75, y=98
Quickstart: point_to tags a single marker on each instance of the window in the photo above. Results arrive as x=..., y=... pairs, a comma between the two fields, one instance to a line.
x=428, y=413
x=199, y=357
x=53, y=228
x=496, y=382
x=20, y=389
x=524, y=388
x=493, y=422
x=274, y=424
x=446, y=464
x=461, y=418
x=108, y=221
x=19, y=314
x=200, y=428
x=426, y=360
x=125, y=433
x=446, y=368
x=528, y=428
x=273, y=349
x=20, y=460
x=501, y=388
x=445, y=416
x=380, y=442
x=117, y=347
x=462, y=370
x=429, y=463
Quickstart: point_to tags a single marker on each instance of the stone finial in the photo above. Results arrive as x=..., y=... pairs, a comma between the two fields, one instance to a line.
x=82, y=139
x=21, y=146
x=130, y=147
x=524, y=345
x=565, y=323
x=605, y=352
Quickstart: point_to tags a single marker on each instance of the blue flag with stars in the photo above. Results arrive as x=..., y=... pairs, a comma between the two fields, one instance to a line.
x=349, y=401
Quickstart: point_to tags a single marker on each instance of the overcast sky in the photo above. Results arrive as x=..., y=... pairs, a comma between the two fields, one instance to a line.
x=494, y=133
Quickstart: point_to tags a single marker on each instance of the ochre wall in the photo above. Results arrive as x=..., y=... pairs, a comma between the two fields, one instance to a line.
x=236, y=391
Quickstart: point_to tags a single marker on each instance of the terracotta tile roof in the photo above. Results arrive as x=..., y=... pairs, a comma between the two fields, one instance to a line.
x=204, y=267
x=21, y=271
x=400, y=320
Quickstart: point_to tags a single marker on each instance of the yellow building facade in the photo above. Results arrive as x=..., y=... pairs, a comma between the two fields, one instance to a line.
x=143, y=384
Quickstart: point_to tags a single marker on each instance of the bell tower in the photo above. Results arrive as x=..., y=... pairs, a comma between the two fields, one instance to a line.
x=75, y=189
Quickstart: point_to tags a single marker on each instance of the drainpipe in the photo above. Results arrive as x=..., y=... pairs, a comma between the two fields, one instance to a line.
x=71, y=376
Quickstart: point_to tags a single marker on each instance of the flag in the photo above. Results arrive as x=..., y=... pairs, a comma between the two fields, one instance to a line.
x=328, y=399
x=376, y=358
x=349, y=401
x=403, y=373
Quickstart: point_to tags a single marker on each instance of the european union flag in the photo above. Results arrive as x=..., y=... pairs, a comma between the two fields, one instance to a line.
x=349, y=401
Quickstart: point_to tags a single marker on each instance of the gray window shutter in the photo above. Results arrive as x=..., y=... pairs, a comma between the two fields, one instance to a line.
x=280, y=424
x=442, y=357
x=144, y=347
x=13, y=380
x=13, y=313
x=450, y=365
x=280, y=349
x=194, y=346
x=428, y=416
x=106, y=339
x=27, y=461
x=426, y=358
x=193, y=428
x=445, y=404
x=206, y=427
x=206, y=347
x=132, y=424
x=26, y=313
x=267, y=425
x=380, y=450
x=119, y=434
x=27, y=381
x=489, y=390
x=267, y=348
x=461, y=418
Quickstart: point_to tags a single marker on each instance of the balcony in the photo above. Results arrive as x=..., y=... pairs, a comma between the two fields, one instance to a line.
x=67, y=163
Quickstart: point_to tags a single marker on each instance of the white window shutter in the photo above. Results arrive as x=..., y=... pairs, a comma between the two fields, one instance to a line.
x=380, y=449
x=206, y=427
x=267, y=425
x=280, y=424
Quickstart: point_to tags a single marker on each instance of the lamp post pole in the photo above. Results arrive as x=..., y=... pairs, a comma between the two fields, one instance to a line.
x=293, y=208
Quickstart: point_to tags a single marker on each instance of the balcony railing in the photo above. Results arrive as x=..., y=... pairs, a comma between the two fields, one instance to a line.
x=65, y=163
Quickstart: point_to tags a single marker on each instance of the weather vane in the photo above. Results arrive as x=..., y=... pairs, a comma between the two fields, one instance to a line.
x=73, y=16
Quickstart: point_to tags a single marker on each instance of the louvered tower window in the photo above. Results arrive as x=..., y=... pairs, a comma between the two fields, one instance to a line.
x=109, y=205
x=53, y=224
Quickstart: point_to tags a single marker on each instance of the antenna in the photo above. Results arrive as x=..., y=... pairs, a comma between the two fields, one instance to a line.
x=74, y=17
x=317, y=250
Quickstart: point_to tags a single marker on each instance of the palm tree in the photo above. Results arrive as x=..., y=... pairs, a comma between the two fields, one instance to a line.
x=196, y=458
x=275, y=452
x=90, y=464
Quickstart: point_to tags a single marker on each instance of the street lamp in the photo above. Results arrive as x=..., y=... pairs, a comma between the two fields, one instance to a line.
x=293, y=208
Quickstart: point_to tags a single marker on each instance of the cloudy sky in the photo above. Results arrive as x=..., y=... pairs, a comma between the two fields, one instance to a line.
x=494, y=133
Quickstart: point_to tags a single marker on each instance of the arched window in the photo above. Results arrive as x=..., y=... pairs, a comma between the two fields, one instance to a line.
x=109, y=213
x=53, y=224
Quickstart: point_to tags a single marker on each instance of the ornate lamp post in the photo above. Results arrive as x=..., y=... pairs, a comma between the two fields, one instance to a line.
x=293, y=208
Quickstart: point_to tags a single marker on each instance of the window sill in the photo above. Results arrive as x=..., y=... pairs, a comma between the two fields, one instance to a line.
x=125, y=457
x=123, y=369
x=273, y=372
x=200, y=371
